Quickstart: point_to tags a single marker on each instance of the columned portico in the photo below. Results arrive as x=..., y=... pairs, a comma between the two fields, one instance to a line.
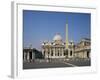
x=28, y=55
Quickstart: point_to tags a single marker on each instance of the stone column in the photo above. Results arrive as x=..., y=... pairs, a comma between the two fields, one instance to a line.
x=24, y=56
x=62, y=50
x=42, y=51
x=85, y=54
x=68, y=53
x=28, y=56
x=54, y=52
x=73, y=54
x=59, y=52
x=46, y=54
x=49, y=52
x=33, y=55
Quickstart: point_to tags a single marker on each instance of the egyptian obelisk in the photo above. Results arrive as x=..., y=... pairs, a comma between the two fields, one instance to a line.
x=67, y=36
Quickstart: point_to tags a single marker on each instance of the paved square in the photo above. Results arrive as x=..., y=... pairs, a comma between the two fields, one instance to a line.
x=70, y=63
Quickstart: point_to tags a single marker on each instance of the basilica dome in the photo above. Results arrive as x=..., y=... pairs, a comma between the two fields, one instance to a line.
x=57, y=37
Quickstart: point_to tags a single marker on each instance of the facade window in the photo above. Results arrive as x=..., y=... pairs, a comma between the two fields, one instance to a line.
x=70, y=53
x=52, y=53
x=65, y=52
x=88, y=54
x=58, y=52
x=30, y=54
x=23, y=55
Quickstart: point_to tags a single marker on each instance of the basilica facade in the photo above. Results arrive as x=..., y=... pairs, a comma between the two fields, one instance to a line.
x=57, y=48
x=83, y=49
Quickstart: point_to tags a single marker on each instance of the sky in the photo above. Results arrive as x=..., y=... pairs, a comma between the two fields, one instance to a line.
x=40, y=26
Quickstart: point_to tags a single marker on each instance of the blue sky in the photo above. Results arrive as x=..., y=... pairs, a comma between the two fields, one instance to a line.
x=39, y=26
